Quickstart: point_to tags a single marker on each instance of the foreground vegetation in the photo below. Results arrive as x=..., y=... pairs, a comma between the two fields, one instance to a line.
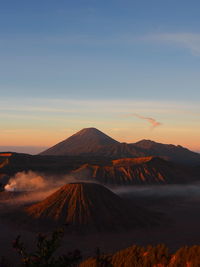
x=45, y=255
x=150, y=256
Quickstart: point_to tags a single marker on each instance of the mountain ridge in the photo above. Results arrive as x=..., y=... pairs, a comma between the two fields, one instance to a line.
x=85, y=141
x=92, y=142
x=136, y=171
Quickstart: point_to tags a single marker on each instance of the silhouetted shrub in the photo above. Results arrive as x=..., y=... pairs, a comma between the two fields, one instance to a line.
x=44, y=254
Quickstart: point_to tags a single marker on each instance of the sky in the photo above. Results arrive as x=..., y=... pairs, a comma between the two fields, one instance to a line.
x=129, y=68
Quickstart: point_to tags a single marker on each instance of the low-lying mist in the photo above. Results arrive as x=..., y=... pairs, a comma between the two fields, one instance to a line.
x=23, y=181
x=32, y=186
x=36, y=186
x=184, y=190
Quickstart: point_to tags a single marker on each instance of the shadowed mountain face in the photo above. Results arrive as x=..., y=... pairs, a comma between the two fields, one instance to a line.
x=171, y=152
x=91, y=142
x=130, y=171
x=123, y=171
x=4, y=159
x=90, y=207
x=86, y=141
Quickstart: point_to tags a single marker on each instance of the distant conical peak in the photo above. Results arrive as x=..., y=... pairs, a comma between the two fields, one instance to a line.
x=87, y=130
x=92, y=134
x=91, y=130
x=87, y=140
x=93, y=142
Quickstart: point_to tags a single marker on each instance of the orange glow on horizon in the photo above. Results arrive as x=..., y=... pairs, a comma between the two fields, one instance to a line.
x=5, y=154
x=47, y=139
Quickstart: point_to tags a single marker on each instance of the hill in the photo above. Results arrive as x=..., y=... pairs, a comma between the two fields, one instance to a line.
x=123, y=171
x=91, y=142
x=170, y=152
x=131, y=171
x=86, y=141
x=89, y=207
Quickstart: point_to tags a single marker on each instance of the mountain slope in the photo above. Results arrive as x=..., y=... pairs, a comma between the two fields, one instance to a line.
x=88, y=206
x=91, y=142
x=171, y=152
x=130, y=171
x=4, y=159
x=88, y=140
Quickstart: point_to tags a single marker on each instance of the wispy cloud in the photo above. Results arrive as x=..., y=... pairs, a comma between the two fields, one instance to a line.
x=70, y=111
x=190, y=41
x=76, y=105
x=187, y=40
x=150, y=120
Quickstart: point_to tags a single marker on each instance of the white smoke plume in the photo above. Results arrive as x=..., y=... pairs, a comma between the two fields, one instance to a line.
x=29, y=187
x=26, y=181
x=152, y=121
x=32, y=181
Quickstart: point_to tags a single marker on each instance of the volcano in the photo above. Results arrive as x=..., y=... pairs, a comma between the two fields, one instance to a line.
x=90, y=142
x=135, y=171
x=90, y=207
x=86, y=141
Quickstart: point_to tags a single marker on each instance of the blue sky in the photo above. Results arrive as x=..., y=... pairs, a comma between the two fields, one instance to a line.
x=130, y=53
